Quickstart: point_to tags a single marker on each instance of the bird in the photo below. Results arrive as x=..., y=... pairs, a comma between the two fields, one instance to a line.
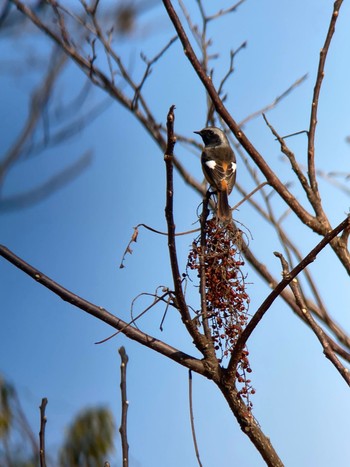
x=219, y=167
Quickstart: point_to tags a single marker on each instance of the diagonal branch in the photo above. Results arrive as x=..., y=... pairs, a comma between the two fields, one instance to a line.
x=271, y=177
x=320, y=334
x=46, y=189
x=103, y=315
x=277, y=291
x=274, y=103
x=293, y=162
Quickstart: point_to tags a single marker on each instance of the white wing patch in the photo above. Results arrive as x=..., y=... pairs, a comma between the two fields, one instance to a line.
x=211, y=164
x=234, y=166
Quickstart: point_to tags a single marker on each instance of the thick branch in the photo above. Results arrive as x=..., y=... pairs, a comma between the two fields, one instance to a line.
x=248, y=424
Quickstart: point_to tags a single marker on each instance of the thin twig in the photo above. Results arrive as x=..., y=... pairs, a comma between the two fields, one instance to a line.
x=61, y=22
x=291, y=157
x=166, y=311
x=249, y=195
x=149, y=64
x=274, y=103
x=43, y=421
x=156, y=300
x=223, y=12
x=312, y=196
x=134, y=236
x=69, y=130
x=193, y=430
x=233, y=53
x=135, y=233
x=133, y=321
x=125, y=405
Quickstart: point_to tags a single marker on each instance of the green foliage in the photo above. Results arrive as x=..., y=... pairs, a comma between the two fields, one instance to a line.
x=89, y=439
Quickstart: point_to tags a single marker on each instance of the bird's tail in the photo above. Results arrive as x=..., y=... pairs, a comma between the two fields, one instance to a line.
x=224, y=210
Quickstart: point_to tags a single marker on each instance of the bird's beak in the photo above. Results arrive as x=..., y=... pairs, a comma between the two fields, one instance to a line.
x=198, y=132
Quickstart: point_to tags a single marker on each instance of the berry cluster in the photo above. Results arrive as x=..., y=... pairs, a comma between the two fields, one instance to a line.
x=226, y=299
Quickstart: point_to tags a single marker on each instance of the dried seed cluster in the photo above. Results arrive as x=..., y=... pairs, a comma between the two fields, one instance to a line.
x=227, y=301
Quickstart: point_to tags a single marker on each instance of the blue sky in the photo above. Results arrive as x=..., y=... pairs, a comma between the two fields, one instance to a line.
x=77, y=236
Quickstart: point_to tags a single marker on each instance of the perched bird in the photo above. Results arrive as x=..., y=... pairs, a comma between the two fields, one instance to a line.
x=219, y=167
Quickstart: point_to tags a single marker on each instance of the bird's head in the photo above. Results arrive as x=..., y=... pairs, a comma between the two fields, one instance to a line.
x=212, y=136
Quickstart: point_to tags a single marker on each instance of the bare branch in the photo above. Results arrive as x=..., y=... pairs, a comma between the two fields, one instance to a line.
x=271, y=177
x=70, y=129
x=38, y=101
x=125, y=406
x=210, y=113
x=133, y=321
x=198, y=338
x=248, y=424
x=37, y=194
x=291, y=157
x=249, y=195
x=103, y=315
x=226, y=11
x=278, y=289
x=148, y=69
x=193, y=430
x=315, y=102
x=320, y=334
x=275, y=102
x=43, y=421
